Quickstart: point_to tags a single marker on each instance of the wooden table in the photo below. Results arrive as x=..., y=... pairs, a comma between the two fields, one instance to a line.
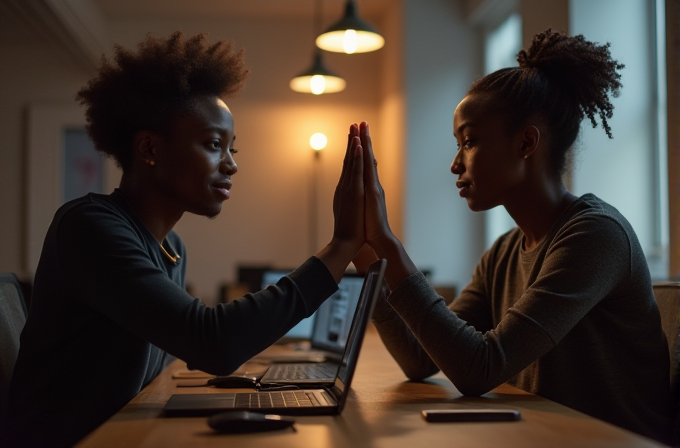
x=383, y=410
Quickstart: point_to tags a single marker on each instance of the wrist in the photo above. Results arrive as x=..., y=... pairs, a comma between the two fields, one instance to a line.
x=386, y=246
x=399, y=264
x=337, y=255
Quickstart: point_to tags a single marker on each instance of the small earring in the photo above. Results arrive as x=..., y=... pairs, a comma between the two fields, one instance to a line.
x=152, y=163
x=526, y=157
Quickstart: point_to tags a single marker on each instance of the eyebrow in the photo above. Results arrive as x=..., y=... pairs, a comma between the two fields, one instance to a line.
x=462, y=127
x=218, y=129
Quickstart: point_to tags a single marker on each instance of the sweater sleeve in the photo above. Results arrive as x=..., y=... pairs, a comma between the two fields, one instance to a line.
x=103, y=255
x=585, y=262
x=472, y=306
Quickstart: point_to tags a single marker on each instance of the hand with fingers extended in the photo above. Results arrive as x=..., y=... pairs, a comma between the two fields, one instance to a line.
x=377, y=225
x=379, y=236
x=348, y=210
x=348, y=201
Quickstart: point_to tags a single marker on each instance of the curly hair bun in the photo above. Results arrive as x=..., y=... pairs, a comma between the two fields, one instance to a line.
x=584, y=69
x=561, y=79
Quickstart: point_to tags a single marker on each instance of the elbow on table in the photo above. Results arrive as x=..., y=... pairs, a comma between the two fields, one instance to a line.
x=217, y=364
x=418, y=374
x=472, y=388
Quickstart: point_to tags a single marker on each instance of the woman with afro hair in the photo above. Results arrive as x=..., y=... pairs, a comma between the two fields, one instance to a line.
x=562, y=305
x=109, y=304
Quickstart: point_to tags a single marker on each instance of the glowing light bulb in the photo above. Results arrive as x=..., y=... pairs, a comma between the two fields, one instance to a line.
x=350, y=42
x=318, y=84
x=318, y=141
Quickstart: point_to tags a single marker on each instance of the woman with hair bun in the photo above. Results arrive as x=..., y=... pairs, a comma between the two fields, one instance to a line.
x=562, y=305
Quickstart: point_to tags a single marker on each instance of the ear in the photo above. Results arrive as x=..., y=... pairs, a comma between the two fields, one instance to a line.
x=530, y=139
x=145, y=147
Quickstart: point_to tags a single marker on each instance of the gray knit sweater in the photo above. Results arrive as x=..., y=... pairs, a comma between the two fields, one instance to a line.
x=574, y=321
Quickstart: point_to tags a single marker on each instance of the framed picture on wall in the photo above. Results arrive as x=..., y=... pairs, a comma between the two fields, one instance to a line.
x=61, y=165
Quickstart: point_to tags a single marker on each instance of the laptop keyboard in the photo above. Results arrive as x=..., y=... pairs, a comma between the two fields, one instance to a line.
x=287, y=399
x=309, y=371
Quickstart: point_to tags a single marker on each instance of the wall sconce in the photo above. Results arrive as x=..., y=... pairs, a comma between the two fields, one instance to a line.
x=350, y=34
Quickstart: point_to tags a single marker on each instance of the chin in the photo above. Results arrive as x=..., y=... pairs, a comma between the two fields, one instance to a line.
x=477, y=207
x=213, y=214
x=208, y=212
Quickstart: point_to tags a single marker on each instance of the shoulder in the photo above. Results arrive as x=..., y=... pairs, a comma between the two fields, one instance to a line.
x=94, y=216
x=590, y=214
x=594, y=234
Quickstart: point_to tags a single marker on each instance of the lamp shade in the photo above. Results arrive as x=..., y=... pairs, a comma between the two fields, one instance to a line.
x=317, y=79
x=350, y=34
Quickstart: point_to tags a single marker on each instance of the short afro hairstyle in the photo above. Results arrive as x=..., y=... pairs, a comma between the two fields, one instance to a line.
x=147, y=89
x=561, y=78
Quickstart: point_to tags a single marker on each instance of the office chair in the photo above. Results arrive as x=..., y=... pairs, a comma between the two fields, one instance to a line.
x=667, y=296
x=12, y=320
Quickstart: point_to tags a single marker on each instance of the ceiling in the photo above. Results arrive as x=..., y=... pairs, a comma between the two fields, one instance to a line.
x=79, y=25
x=238, y=8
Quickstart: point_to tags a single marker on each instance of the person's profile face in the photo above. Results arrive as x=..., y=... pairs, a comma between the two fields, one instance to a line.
x=195, y=164
x=486, y=162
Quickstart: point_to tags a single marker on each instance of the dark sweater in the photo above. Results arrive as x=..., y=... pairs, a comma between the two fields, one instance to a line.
x=108, y=305
x=574, y=321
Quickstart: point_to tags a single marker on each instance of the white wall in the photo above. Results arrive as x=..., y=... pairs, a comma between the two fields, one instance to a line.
x=442, y=58
x=621, y=170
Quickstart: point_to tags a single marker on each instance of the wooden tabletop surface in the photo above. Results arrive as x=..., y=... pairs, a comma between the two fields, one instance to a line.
x=383, y=410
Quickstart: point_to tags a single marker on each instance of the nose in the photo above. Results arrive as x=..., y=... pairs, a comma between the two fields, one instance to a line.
x=228, y=164
x=457, y=164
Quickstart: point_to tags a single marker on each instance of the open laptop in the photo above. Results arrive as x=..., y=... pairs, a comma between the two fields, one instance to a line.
x=327, y=400
x=326, y=330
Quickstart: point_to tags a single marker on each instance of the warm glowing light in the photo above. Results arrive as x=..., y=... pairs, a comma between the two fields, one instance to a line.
x=318, y=141
x=350, y=42
x=350, y=34
x=318, y=84
x=306, y=84
x=336, y=40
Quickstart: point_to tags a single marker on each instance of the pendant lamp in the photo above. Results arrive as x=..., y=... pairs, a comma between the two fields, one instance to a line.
x=350, y=34
x=317, y=79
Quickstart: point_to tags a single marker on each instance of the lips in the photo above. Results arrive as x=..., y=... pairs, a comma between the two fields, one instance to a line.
x=463, y=187
x=222, y=188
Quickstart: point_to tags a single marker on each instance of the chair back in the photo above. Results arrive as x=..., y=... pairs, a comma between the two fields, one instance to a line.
x=12, y=320
x=667, y=296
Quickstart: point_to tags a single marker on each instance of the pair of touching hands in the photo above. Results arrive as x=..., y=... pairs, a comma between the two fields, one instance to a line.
x=358, y=207
x=359, y=202
x=362, y=232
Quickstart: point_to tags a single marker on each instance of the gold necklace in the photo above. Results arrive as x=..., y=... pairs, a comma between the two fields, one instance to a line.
x=167, y=254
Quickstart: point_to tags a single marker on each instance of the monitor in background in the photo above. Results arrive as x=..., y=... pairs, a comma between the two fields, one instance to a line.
x=303, y=330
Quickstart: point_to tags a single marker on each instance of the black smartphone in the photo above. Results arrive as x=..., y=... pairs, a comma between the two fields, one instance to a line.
x=471, y=415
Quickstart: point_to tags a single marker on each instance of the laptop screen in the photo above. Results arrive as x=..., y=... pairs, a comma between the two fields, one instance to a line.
x=334, y=317
x=372, y=289
x=329, y=326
